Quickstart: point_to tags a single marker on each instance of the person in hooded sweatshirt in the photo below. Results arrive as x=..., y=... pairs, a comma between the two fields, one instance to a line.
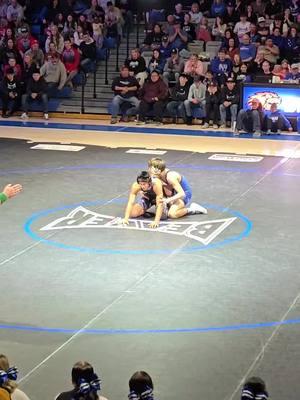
x=11, y=90
x=221, y=67
x=179, y=93
x=154, y=95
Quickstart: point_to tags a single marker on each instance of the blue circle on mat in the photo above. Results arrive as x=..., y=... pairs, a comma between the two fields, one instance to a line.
x=33, y=218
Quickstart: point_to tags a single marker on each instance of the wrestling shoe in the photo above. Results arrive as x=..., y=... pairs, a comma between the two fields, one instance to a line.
x=195, y=208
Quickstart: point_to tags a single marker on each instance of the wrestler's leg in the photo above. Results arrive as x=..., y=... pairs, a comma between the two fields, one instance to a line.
x=177, y=209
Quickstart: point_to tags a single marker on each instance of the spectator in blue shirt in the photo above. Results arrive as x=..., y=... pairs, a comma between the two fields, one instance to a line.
x=221, y=67
x=247, y=49
x=294, y=75
x=218, y=8
x=275, y=121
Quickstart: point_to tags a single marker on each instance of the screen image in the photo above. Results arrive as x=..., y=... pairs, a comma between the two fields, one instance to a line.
x=286, y=98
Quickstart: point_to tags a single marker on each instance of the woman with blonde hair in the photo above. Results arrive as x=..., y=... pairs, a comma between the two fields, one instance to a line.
x=8, y=385
x=86, y=384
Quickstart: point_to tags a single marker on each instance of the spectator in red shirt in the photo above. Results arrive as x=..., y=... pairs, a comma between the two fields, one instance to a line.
x=12, y=64
x=71, y=60
x=25, y=41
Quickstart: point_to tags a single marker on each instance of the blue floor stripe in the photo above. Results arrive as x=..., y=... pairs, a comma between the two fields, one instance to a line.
x=225, y=328
x=141, y=129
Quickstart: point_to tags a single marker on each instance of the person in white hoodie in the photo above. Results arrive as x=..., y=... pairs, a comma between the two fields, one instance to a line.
x=196, y=99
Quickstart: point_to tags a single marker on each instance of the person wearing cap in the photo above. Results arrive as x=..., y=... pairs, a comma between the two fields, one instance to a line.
x=173, y=67
x=36, y=90
x=178, y=38
x=137, y=66
x=229, y=99
x=125, y=89
x=262, y=29
x=153, y=95
x=166, y=47
x=25, y=41
x=250, y=120
x=212, y=101
x=276, y=121
x=294, y=74
x=36, y=54
x=221, y=67
x=196, y=98
x=179, y=93
x=10, y=96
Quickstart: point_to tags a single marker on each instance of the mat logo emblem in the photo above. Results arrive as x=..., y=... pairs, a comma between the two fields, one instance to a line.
x=79, y=218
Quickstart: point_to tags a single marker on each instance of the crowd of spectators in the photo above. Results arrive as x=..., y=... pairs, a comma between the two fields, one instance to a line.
x=86, y=385
x=44, y=45
x=257, y=42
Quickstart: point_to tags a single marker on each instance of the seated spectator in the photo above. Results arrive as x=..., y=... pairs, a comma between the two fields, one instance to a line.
x=25, y=41
x=193, y=66
x=86, y=383
x=278, y=23
x=212, y=101
x=69, y=26
x=294, y=74
x=153, y=39
x=15, y=13
x=236, y=63
x=281, y=70
x=95, y=10
x=270, y=51
x=250, y=120
x=254, y=388
x=36, y=53
x=232, y=49
x=154, y=95
x=242, y=27
x=208, y=78
x=113, y=17
x=85, y=24
x=53, y=8
x=229, y=99
x=228, y=34
x=98, y=31
x=258, y=7
x=219, y=28
x=36, y=90
x=178, y=94
x=59, y=21
x=278, y=39
x=196, y=99
x=247, y=49
x=27, y=68
x=127, y=17
x=12, y=64
x=256, y=65
x=140, y=386
x=218, y=9
x=179, y=14
x=56, y=38
x=292, y=45
x=173, y=67
x=231, y=17
x=195, y=14
x=265, y=75
x=137, y=66
x=125, y=89
x=10, y=51
x=273, y=8
x=253, y=35
x=10, y=93
x=203, y=32
x=189, y=28
x=9, y=387
x=156, y=62
x=168, y=26
x=262, y=29
x=178, y=37
x=71, y=60
x=166, y=47
x=88, y=52
x=251, y=15
x=54, y=73
x=243, y=75
x=221, y=67
x=78, y=35
x=275, y=121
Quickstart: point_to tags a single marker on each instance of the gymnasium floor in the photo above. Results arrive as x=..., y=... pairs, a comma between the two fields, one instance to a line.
x=201, y=304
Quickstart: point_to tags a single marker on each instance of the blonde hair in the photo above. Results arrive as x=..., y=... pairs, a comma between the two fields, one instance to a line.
x=157, y=163
x=9, y=385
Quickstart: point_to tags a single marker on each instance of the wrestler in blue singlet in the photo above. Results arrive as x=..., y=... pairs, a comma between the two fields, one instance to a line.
x=185, y=186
